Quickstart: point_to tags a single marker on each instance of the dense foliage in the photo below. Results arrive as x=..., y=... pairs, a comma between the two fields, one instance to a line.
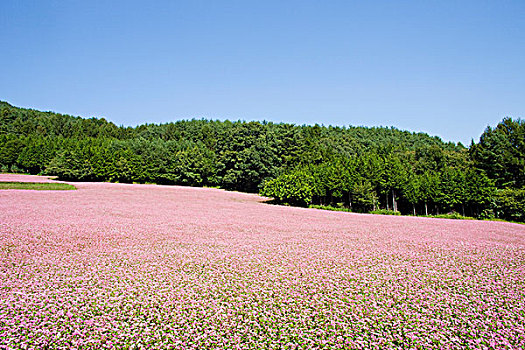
x=362, y=169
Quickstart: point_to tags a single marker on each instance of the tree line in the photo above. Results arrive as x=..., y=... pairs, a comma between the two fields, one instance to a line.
x=358, y=168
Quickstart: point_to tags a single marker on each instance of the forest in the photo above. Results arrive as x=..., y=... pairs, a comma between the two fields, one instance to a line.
x=360, y=169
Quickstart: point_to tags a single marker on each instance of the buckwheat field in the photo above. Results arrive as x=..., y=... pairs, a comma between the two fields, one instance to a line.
x=165, y=267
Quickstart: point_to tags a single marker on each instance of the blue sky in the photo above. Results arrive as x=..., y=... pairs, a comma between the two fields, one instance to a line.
x=448, y=68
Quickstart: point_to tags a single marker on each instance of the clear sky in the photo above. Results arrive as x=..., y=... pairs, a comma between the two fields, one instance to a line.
x=448, y=68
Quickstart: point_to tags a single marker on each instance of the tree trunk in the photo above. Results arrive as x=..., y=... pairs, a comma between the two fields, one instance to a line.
x=426, y=209
x=394, y=204
x=386, y=197
x=414, y=207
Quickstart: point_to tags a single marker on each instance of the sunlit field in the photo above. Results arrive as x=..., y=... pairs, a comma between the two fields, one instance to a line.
x=167, y=267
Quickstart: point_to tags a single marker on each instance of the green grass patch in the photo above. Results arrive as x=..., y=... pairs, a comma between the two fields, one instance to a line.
x=329, y=207
x=40, y=186
x=455, y=216
x=385, y=212
x=340, y=208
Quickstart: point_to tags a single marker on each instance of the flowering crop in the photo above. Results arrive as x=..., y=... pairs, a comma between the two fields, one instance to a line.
x=26, y=178
x=147, y=266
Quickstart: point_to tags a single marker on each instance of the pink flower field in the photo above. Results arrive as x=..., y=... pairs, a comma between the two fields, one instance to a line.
x=167, y=267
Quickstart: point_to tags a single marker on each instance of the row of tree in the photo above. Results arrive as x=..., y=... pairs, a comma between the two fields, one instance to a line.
x=356, y=167
x=371, y=182
x=485, y=182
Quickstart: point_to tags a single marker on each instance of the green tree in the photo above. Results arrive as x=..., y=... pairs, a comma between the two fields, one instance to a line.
x=510, y=204
x=393, y=179
x=294, y=188
x=428, y=188
x=10, y=151
x=501, y=153
x=412, y=191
